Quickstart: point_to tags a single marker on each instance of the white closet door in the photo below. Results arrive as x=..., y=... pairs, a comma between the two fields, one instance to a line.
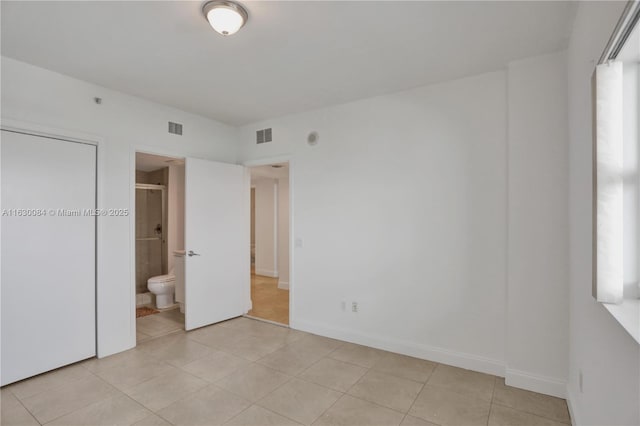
x=217, y=231
x=48, y=261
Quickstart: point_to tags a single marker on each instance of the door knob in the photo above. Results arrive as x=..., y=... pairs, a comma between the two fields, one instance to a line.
x=191, y=253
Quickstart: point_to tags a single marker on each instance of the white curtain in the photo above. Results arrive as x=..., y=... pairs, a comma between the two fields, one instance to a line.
x=608, y=274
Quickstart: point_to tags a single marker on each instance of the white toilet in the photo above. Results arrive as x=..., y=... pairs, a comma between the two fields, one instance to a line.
x=163, y=286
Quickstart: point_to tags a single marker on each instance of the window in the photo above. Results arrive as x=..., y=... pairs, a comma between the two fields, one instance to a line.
x=616, y=174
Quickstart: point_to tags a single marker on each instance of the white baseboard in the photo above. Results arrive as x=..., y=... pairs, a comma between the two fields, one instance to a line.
x=267, y=273
x=444, y=356
x=573, y=412
x=283, y=285
x=536, y=383
x=515, y=378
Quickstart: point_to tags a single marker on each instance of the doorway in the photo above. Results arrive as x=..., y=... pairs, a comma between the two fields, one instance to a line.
x=270, y=242
x=159, y=245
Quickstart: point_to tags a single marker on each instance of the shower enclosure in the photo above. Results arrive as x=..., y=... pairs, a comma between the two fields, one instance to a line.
x=151, y=244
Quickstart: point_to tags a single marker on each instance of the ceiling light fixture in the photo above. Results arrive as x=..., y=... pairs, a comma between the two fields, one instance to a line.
x=226, y=17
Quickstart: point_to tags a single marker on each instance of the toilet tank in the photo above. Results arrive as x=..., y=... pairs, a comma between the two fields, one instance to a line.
x=179, y=259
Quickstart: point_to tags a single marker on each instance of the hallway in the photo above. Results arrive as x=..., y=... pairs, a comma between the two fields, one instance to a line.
x=269, y=302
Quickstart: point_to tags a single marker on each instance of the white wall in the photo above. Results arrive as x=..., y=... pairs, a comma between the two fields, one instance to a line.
x=266, y=226
x=283, y=233
x=175, y=240
x=537, y=306
x=402, y=208
x=123, y=122
x=608, y=357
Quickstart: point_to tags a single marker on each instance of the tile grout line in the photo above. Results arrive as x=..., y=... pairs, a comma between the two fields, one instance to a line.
x=530, y=413
x=525, y=411
x=347, y=392
x=419, y=392
x=85, y=406
x=25, y=408
x=493, y=391
x=289, y=378
x=266, y=336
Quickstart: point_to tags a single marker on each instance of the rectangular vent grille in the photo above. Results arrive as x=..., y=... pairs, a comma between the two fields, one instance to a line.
x=175, y=128
x=264, y=135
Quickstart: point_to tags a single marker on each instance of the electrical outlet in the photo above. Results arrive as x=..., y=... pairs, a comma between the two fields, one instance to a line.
x=580, y=380
x=298, y=242
x=354, y=306
x=343, y=306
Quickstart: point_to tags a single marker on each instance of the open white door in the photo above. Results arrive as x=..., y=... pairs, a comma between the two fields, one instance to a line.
x=217, y=242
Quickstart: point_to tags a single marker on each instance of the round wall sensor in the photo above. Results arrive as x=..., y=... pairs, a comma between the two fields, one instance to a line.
x=312, y=139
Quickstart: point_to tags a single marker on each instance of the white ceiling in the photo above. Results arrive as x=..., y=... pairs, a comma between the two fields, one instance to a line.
x=291, y=56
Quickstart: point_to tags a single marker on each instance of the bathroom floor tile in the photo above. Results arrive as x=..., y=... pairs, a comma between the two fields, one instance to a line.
x=208, y=406
x=301, y=401
x=172, y=315
x=253, y=382
x=334, y=374
x=350, y=411
x=162, y=391
x=118, y=410
x=389, y=391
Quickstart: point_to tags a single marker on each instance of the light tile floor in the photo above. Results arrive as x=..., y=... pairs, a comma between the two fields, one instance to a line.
x=246, y=372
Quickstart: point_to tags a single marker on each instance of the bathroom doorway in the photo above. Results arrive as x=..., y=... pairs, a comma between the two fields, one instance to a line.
x=159, y=240
x=270, y=242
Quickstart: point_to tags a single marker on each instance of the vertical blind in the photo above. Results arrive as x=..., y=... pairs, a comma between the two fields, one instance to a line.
x=608, y=262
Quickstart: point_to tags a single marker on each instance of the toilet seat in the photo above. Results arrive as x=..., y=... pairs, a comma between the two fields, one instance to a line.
x=161, y=279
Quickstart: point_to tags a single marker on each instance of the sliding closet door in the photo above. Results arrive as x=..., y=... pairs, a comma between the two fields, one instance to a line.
x=47, y=254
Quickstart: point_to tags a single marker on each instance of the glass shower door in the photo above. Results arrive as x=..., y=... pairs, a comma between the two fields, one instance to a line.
x=150, y=260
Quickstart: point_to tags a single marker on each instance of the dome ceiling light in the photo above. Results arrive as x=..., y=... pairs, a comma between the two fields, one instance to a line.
x=226, y=17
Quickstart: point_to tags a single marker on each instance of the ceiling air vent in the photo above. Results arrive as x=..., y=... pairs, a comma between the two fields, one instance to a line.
x=264, y=135
x=175, y=128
